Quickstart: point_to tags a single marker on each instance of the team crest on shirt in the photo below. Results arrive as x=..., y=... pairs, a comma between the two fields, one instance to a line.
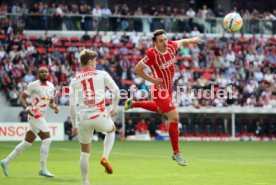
x=45, y=98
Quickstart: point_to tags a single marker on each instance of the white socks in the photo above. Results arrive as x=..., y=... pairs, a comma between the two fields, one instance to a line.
x=84, y=157
x=44, y=150
x=84, y=163
x=17, y=151
x=108, y=144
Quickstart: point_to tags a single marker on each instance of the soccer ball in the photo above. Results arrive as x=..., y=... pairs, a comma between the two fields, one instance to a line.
x=232, y=22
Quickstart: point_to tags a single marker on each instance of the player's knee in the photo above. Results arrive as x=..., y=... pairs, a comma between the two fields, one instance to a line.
x=47, y=141
x=113, y=129
x=44, y=135
x=174, y=118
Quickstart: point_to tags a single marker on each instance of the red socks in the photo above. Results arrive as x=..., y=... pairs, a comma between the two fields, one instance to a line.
x=173, y=133
x=173, y=128
x=148, y=105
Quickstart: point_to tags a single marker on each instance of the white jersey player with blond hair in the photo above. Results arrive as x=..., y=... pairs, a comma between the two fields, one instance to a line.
x=88, y=111
x=42, y=93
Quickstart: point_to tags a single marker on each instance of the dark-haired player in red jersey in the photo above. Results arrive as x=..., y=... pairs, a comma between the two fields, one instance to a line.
x=161, y=60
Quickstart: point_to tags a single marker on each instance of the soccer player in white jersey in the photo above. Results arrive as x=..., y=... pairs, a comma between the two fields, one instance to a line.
x=41, y=93
x=88, y=112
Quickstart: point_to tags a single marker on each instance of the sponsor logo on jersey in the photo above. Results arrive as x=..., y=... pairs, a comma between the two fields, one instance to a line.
x=167, y=64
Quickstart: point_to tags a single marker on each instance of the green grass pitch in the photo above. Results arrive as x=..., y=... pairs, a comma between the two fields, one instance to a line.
x=149, y=163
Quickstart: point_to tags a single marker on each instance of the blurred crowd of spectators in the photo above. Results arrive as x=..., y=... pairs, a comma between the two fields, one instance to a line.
x=72, y=16
x=244, y=66
x=199, y=126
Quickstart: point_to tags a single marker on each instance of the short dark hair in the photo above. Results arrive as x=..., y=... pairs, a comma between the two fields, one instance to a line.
x=157, y=33
x=41, y=67
x=87, y=55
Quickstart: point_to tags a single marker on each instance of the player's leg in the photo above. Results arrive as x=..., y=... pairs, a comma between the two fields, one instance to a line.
x=166, y=107
x=40, y=127
x=173, y=117
x=108, y=142
x=44, y=151
x=26, y=143
x=105, y=125
x=148, y=105
x=173, y=129
x=85, y=133
x=84, y=162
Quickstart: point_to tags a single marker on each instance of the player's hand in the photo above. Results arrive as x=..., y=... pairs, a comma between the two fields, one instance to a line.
x=113, y=112
x=157, y=81
x=74, y=131
x=56, y=109
x=30, y=112
x=196, y=40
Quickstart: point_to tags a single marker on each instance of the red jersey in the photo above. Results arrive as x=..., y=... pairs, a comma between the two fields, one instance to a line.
x=162, y=64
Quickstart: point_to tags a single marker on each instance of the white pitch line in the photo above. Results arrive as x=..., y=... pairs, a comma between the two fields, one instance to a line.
x=163, y=157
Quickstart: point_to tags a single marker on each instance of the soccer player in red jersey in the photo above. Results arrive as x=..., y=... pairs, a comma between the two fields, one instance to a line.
x=161, y=60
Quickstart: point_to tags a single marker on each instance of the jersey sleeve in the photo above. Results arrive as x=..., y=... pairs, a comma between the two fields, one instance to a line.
x=148, y=59
x=109, y=82
x=52, y=91
x=30, y=89
x=72, y=105
x=174, y=44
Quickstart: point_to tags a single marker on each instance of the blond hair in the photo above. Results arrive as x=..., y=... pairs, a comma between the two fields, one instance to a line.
x=87, y=55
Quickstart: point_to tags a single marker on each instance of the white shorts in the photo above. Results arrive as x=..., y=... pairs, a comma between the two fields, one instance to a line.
x=37, y=125
x=86, y=128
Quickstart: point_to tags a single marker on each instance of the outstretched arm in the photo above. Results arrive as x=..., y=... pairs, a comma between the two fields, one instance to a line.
x=139, y=70
x=185, y=42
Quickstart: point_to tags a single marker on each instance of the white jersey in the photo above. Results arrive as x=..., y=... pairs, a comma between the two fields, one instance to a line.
x=87, y=92
x=40, y=95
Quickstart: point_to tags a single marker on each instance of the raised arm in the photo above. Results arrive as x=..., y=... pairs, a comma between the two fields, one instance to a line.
x=140, y=71
x=185, y=42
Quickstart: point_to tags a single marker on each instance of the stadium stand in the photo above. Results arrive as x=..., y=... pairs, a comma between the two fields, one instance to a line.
x=84, y=16
x=248, y=64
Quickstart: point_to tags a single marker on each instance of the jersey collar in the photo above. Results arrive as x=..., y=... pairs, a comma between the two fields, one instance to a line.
x=43, y=84
x=87, y=69
x=161, y=52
